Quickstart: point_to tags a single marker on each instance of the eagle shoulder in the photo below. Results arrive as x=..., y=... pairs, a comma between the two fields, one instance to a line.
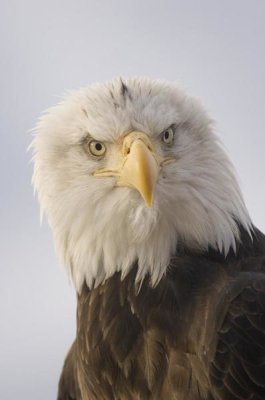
x=237, y=370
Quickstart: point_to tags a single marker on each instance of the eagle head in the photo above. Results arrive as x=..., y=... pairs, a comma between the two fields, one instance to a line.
x=127, y=170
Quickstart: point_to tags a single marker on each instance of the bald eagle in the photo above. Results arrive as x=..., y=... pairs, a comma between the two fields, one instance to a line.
x=149, y=221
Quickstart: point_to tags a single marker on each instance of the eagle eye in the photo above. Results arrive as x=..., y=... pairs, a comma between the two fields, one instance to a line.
x=167, y=136
x=96, y=148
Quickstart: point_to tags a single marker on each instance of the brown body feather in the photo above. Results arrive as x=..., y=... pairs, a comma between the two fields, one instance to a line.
x=199, y=334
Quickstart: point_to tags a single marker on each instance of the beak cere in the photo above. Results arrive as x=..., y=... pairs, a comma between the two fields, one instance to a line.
x=140, y=168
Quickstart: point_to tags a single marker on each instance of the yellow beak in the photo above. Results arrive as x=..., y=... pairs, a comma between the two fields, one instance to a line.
x=140, y=167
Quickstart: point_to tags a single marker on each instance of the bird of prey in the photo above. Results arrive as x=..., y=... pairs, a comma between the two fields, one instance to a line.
x=149, y=221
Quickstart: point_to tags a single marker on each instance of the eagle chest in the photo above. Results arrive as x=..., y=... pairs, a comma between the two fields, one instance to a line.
x=131, y=343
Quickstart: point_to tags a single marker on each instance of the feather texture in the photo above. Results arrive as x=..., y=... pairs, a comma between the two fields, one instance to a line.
x=199, y=334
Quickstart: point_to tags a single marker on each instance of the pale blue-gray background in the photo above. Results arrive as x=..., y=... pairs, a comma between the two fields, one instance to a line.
x=215, y=48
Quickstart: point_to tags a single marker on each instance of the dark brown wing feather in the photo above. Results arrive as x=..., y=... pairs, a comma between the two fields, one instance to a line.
x=121, y=357
x=68, y=387
x=238, y=369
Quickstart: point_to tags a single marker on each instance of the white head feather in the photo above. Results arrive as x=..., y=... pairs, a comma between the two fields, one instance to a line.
x=100, y=228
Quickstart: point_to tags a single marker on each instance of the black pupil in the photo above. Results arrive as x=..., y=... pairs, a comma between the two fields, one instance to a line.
x=166, y=135
x=98, y=146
